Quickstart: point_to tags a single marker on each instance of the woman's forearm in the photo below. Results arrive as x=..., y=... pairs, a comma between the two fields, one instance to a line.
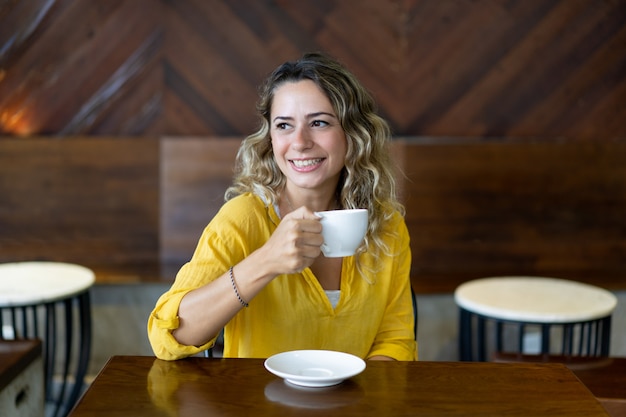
x=204, y=311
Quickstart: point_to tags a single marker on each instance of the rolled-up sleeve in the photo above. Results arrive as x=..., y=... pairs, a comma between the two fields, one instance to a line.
x=223, y=243
x=162, y=322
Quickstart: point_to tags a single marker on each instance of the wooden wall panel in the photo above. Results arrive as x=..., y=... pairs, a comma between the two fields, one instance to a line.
x=478, y=209
x=486, y=68
x=195, y=173
x=133, y=209
x=94, y=202
x=475, y=208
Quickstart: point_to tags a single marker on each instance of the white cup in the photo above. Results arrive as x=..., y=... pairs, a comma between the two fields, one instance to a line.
x=343, y=231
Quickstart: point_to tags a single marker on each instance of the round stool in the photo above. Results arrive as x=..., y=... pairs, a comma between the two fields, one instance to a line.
x=502, y=309
x=45, y=300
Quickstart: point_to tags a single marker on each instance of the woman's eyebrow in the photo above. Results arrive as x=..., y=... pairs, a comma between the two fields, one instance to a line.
x=282, y=118
x=320, y=113
x=308, y=116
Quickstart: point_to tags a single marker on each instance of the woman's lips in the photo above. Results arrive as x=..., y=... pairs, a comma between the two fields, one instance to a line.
x=306, y=164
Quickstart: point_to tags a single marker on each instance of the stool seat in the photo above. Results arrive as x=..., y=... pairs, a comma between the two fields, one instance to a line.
x=50, y=301
x=27, y=283
x=509, y=314
x=535, y=299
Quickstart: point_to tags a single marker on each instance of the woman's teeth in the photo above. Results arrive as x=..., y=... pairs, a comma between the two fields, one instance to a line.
x=306, y=163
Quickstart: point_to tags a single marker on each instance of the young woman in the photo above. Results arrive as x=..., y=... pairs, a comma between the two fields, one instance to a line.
x=258, y=271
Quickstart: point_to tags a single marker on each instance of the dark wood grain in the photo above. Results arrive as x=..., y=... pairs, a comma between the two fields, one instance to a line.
x=77, y=200
x=133, y=209
x=195, y=173
x=197, y=386
x=189, y=68
x=605, y=377
x=547, y=208
x=15, y=356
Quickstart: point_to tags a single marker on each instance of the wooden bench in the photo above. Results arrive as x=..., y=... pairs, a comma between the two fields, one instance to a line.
x=133, y=208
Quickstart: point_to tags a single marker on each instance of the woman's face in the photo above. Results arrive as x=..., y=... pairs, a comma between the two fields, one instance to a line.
x=308, y=141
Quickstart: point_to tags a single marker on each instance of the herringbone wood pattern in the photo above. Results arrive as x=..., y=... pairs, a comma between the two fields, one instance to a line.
x=540, y=68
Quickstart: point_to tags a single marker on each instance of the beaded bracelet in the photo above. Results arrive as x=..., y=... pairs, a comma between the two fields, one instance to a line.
x=232, y=281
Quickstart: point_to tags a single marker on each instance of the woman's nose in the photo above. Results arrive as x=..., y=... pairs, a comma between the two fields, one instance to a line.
x=301, y=140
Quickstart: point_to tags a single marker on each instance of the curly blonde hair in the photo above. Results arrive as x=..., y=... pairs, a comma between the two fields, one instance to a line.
x=367, y=180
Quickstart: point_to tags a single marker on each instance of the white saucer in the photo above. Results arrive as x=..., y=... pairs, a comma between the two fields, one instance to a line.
x=314, y=368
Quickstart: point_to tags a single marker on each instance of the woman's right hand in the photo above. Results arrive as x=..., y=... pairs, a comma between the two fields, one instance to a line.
x=296, y=242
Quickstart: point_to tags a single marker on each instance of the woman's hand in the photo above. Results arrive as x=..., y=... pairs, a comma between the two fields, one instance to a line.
x=296, y=242
x=294, y=245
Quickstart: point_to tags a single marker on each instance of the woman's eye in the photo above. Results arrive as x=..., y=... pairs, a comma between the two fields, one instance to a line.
x=319, y=123
x=281, y=126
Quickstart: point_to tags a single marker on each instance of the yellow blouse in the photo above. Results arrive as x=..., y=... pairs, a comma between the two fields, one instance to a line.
x=374, y=315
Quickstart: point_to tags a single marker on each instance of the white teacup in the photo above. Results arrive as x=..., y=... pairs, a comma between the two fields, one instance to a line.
x=343, y=231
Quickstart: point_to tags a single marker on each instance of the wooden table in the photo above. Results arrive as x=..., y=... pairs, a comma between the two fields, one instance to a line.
x=21, y=378
x=145, y=386
x=607, y=381
x=605, y=377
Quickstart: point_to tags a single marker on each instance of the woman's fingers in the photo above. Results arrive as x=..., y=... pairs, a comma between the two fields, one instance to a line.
x=297, y=240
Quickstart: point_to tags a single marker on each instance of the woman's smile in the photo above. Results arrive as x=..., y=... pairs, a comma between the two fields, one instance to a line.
x=305, y=165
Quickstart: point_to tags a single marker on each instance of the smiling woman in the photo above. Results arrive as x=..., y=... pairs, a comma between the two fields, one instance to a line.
x=258, y=270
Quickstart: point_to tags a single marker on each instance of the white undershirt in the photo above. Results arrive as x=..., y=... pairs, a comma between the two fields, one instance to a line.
x=333, y=296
